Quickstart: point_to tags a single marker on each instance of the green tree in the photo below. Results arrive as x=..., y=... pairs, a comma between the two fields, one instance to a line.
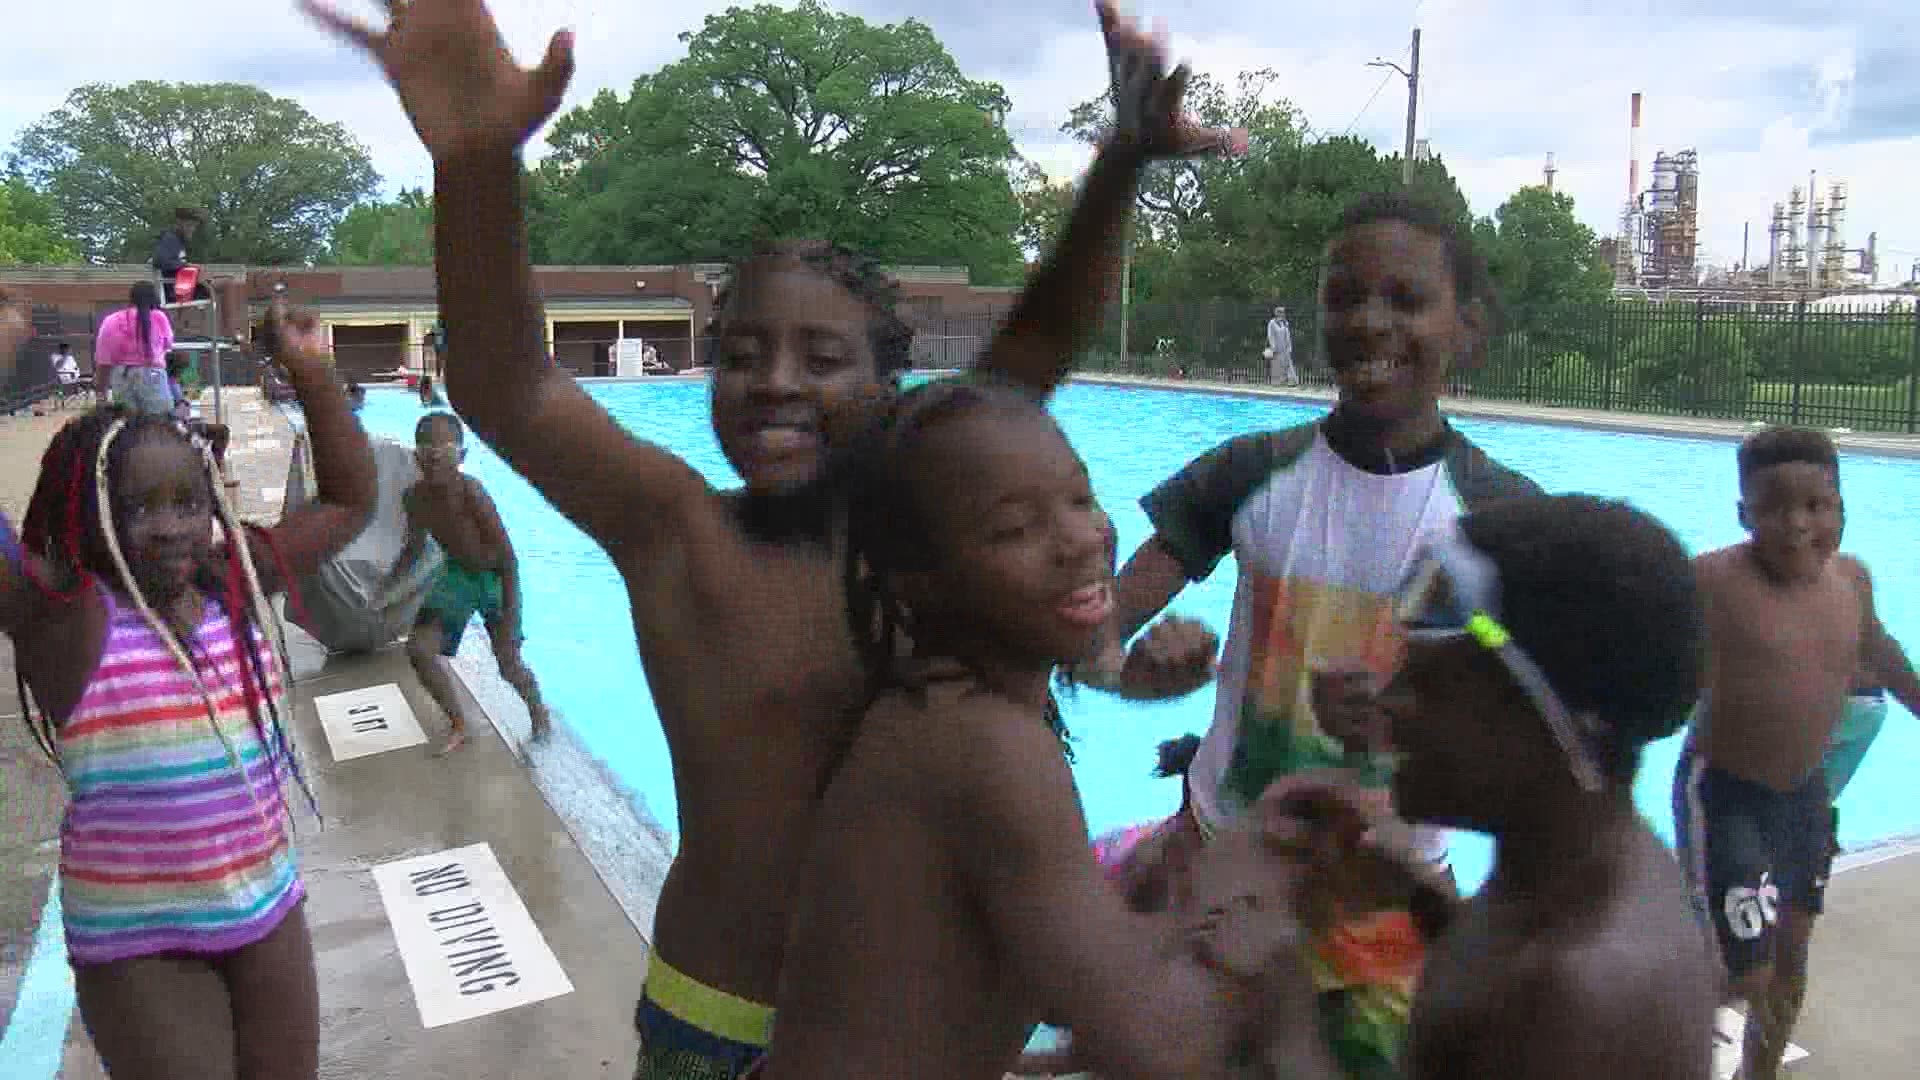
x=1545, y=261
x=1174, y=194
x=117, y=160
x=792, y=122
x=1266, y=232
x=1045, y=204
x=28, y=232
x=1690, y=362
x=396, y=233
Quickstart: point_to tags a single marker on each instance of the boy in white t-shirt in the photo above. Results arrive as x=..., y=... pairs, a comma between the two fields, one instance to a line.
x=1325, y=519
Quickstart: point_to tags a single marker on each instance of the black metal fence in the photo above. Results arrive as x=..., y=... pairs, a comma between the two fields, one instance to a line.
x=1774, y=363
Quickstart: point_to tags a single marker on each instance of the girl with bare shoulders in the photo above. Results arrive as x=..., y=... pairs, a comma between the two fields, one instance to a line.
x=149, y=676
x=950, y=901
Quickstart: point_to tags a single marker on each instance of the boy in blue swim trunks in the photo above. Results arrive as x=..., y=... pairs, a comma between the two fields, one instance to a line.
x=1791, y=628
x=479, y=575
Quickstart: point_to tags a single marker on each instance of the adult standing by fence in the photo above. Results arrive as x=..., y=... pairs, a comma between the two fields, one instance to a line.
x=131, y=347
x=1279, y=351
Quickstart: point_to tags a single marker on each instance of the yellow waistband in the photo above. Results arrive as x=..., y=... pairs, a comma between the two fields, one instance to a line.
x=713, y=1011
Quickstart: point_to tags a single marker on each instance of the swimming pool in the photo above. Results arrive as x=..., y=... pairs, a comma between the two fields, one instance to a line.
x=580, y=634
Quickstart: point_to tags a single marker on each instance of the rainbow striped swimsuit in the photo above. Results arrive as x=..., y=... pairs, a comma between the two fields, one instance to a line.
x=169, y=845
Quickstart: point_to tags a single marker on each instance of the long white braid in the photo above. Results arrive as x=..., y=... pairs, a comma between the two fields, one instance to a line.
x=104, y=493
x=263, y=616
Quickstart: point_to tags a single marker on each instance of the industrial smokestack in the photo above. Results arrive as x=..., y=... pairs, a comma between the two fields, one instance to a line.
x=1813, y=231
x=1549, y=171
x=1633, y=151
x=1746, y=236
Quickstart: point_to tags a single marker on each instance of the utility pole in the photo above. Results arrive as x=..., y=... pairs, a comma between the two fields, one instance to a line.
x=1413, y=104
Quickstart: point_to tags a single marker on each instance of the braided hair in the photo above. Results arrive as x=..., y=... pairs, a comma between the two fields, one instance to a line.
x=887, y=530
x=145, y=298
x=70, y=525
x=888, y=335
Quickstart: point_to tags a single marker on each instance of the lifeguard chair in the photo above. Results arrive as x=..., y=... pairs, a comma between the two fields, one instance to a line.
x=188, y=293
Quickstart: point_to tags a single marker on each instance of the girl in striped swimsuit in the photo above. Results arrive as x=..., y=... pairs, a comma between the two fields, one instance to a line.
x=147, y=649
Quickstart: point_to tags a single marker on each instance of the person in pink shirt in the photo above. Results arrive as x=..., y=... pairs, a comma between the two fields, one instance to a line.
x=130, y=352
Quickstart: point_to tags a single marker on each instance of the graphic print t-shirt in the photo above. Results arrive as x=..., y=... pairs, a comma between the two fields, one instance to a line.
x=1322, y=545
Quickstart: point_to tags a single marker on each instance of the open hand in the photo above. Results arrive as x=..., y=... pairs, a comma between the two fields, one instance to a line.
x=1149, y=101
x=456, y=79
x=1174, y=658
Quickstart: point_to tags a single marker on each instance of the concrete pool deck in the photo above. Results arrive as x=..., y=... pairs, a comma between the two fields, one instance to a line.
x=575, y=874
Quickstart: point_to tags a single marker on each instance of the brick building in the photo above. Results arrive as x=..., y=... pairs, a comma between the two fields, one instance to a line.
x=382, y=318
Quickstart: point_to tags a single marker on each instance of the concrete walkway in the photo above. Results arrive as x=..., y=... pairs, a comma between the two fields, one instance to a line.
x=586, y=880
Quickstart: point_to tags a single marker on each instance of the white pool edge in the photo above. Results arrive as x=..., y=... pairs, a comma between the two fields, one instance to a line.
x=613, y=826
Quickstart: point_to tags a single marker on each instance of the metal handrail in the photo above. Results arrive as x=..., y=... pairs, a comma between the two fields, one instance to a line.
x=28, y=398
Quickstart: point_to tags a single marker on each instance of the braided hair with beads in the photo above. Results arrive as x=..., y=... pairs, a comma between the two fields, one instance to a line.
x=70, y=525
x=888, y=335
x=886, y=533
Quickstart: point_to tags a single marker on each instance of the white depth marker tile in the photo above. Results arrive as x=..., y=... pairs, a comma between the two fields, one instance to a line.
x=371, y=720
x=468, y=944
x=1729, y=1032
x=273, y=494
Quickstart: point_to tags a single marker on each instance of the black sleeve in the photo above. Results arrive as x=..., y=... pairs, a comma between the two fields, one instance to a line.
x=1192, y=511
x=169, y=253
x=1481, y=480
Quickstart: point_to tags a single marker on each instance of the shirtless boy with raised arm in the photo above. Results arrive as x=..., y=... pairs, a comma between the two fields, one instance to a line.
x=1789, y=621
x=737, y=597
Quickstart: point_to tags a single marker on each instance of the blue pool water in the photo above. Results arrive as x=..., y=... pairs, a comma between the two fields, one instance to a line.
x=580, y=636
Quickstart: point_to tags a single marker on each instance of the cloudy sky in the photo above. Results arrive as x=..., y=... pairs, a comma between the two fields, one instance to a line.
x=1766, y=90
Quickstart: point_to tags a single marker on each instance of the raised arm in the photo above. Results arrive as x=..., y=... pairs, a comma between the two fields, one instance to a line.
x=627, y=494
x=1114, y=978
x=19, y=600
x=474, y=108
x=346, y=484
x=1065, y=301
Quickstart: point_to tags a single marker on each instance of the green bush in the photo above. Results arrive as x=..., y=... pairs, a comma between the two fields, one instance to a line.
x=1701, y=368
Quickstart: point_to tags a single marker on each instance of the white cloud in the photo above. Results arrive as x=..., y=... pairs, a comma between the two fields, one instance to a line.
x=1767, y=92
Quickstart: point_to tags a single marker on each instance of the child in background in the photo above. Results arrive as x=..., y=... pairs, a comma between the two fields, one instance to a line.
x=1367, y=908
x=1143, y=860
x=1324, y=519
x=1550, y=639
x=479, y=575
x=430, y=397
x=154, y=686
x=1790, y=622
x=216, y=435
x=356, y=396
x=737, y=598
x=949, y=901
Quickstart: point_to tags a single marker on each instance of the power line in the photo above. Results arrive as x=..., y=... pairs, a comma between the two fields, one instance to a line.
x=1375, y=96
x=1384, y=79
